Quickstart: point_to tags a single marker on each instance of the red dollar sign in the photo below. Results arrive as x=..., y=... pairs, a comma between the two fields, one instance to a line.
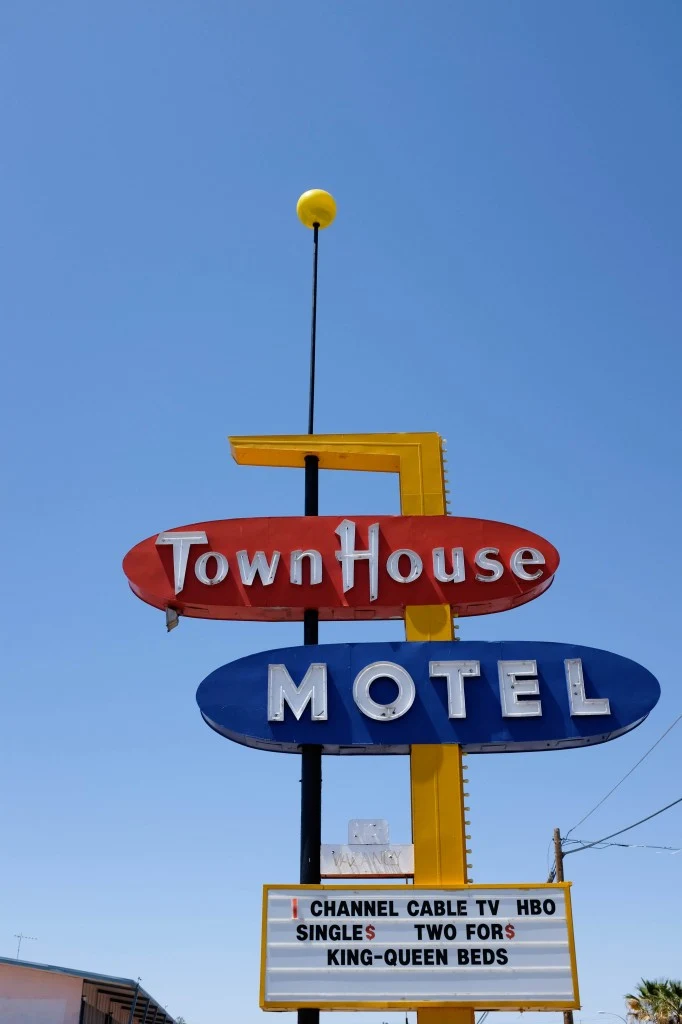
x=370, y=931
x=509, y=931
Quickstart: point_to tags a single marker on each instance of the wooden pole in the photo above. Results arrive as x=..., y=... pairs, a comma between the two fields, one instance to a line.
x=559, y=862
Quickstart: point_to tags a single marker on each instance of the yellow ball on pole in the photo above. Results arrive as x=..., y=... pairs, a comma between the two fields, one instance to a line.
x=316, y=207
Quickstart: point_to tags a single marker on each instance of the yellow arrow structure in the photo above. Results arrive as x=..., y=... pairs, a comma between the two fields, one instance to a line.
x=436, y=775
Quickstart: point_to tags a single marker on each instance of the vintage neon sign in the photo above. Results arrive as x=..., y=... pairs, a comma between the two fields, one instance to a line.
x=381, y=698
x=364, y=567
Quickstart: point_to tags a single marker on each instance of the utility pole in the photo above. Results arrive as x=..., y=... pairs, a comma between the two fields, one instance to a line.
x=559, y=874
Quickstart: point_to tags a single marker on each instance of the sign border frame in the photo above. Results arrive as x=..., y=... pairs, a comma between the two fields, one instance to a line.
x=421, y=1005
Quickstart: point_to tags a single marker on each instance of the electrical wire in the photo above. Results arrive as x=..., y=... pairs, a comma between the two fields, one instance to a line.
x=626, y=776
x=626, y=846
x=629, y=827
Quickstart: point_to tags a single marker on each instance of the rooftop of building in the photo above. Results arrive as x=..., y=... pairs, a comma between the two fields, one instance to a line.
x=123, y=993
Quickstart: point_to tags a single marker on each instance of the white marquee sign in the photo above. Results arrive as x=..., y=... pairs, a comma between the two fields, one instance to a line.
x=387, y=947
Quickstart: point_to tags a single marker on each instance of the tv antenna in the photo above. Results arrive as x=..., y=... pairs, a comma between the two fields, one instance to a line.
x=21, y=937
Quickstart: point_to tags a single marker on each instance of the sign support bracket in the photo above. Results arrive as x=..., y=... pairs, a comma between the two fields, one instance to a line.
x=437, y=787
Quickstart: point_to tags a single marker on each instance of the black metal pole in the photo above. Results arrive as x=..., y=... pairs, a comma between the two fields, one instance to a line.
x=313, y=343
x=311, y=755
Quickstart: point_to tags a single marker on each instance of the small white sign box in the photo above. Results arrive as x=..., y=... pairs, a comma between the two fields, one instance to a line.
x=390, y=947
x=368, y=853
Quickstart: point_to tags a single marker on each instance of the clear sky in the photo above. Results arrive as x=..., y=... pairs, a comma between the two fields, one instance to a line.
x=504, y=269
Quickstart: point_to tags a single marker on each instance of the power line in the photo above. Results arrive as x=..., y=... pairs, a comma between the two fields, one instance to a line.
x=582, y=843
x=626, y=776
x=622, y=830
x=602, y=843
x=550, y=862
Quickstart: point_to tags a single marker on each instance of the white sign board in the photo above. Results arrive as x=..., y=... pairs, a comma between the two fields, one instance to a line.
x=368, y=832
x=390, y=947
x=373, y=860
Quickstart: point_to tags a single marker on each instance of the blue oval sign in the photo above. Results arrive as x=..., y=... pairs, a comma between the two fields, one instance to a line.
x=380, y=698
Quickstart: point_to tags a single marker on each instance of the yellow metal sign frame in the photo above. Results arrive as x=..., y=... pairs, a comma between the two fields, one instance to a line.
x=412, y=1004
x=436, y=771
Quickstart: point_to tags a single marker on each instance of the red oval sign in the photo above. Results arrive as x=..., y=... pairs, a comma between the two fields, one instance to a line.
x=367, y=567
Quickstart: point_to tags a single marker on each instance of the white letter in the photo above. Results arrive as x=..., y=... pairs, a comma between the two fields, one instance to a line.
x=266, y=570
x=526, y=556
x=348, y=556
x=221, y=568
x=490, y=564
x=511, y=687
x=439, y=570
x=380, y=670
x=181, y=543
x=455, y=672
x=393, y=565
x=579, y=703
x=313, y=688
x=296, y=572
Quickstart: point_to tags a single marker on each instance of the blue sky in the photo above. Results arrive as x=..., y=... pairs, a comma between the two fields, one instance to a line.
x=504, y=269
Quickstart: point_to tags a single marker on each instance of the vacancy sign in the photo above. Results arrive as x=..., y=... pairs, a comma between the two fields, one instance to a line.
x=389, y=947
